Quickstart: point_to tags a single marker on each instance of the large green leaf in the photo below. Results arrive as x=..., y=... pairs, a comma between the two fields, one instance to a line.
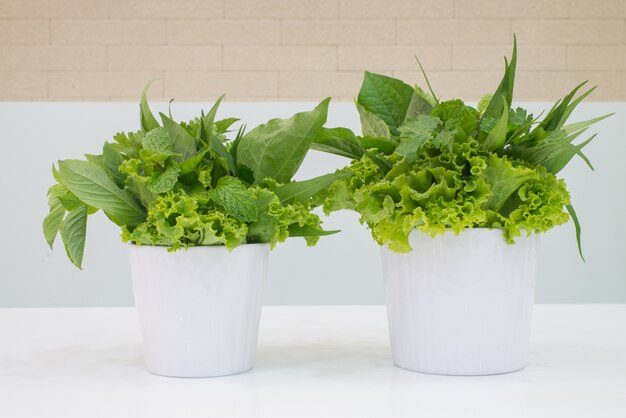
x=111, y=161
x=92, y=185
x=338, y=141
x=372, y=125
x=386, y=97
x=421, y=104
x=52, y=222
x=277, y=148
x=303, y=190
x=73, y=233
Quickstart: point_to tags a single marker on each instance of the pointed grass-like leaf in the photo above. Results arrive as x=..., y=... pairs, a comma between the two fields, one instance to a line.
x=577, y=126
x=572, y=213
x=505, y=88
x=147, y=119
x=497, y=136
x=430, y=88
x=296, y=230
x=562, y=154
x=208, y=120
x=223, y=157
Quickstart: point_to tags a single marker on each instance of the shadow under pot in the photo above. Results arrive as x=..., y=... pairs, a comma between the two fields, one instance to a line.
x=199, y=308
x=461, y=304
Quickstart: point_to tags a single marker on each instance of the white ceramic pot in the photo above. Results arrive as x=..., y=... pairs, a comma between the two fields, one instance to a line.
x=199, y=308
x=461, y=304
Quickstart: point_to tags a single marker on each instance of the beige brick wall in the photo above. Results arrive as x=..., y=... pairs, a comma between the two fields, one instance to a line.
x=304, y=49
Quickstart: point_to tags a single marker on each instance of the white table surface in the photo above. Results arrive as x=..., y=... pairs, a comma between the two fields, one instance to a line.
x=321, y=362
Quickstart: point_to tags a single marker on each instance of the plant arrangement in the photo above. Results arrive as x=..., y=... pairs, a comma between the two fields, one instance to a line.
x=437, y=166
x=181, y=184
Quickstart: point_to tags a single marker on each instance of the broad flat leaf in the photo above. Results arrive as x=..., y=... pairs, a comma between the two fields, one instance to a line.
x=184, y=143
x=147, y=119
x=111, y=161
x=73, y=232
x=372, y=125
x=338, y=141
x=277, y=148
x=235, y=198
x=190, y=165
x=92, y=185
x=383, y=145
x=296, y=230
x=303, y=190
x=421, y=104
x=386, y=97
x=52, y=222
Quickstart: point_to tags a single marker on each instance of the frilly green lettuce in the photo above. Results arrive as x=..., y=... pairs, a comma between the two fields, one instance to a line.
x=448, y=192
x=179, y=220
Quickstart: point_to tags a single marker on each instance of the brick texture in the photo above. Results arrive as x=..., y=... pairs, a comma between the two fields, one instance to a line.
x=304, y=49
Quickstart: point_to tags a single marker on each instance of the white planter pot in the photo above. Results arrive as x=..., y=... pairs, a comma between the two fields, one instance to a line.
x=199, y=308
x=461, y=304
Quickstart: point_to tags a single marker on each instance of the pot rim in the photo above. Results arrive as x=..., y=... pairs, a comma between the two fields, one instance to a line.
x=198, y=247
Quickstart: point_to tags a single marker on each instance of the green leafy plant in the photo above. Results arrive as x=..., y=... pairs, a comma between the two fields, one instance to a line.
x=181, y=184
x=440, y=166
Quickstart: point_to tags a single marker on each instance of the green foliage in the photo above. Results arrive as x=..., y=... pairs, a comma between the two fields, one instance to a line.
x=454, y=167
x=182, y=184
x=277, y=148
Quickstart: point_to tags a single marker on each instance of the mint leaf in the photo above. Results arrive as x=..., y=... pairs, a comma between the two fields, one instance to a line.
x=158, y=140
x=163, y=182
x=233, y=195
